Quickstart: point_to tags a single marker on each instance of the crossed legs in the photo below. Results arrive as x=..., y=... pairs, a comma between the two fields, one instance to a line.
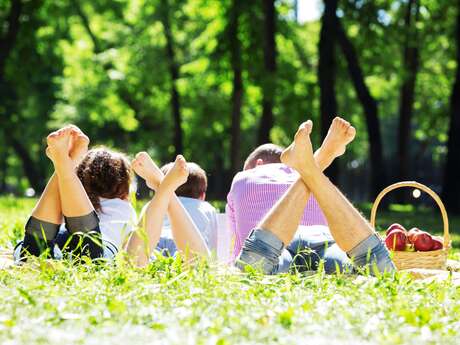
x=64, y=196
x=284, y=218
x=186, y=235
x=349, y=229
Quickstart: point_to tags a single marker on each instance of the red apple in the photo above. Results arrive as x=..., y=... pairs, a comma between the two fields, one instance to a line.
x=412, y=232
x=423, y=242
x=437, y=244
x=396, y=240
x=393, y=227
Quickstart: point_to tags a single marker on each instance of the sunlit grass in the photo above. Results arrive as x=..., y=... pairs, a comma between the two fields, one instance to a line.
x=169, y=302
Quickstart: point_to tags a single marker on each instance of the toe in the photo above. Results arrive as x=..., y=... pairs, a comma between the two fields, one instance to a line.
x=51, y=137
x=308, y=126
x=141, y=155
x=305, y=127
x=351, y=132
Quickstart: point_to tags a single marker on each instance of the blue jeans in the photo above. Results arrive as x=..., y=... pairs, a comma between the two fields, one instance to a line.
x=264, y=250
x=166, y=246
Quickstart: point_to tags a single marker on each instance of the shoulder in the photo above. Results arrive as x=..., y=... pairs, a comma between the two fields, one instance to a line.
x=265, y=174
x=201, y=205
x=117, y=206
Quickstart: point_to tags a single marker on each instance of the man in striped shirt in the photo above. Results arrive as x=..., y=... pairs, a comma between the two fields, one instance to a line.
x=270, y=244
x=263, y=182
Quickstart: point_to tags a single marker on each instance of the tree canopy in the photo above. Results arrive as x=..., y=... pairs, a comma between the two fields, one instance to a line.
x=213, y=79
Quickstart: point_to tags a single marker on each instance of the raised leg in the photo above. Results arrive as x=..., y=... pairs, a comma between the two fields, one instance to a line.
x=74, y=200
x=284, y=218
x=44, y=222
x=46, y=217
x=185, y=233
x=348, y=227
x=65, y=149
x=48, y=207
x=143, y=241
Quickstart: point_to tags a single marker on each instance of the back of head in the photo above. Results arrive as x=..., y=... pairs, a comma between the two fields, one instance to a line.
x=105, y=174
x=197, y=182
x=266, y=153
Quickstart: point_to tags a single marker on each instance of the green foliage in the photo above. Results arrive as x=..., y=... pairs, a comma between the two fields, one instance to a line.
x=104, y=66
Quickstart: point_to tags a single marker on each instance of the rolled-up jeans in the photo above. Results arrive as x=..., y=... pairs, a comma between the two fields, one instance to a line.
x=264, y=250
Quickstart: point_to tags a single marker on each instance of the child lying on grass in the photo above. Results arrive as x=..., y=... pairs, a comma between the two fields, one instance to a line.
x=185, y=234
x=90, y=190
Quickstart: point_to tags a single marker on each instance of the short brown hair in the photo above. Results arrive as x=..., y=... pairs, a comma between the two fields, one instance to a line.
x=269, y=153
x=105, y=174
x=197, y=182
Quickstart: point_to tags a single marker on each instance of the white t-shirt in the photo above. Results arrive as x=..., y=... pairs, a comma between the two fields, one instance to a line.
x=204, y=215
x=117, y=221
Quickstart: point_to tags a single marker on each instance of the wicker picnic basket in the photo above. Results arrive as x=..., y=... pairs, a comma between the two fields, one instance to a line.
x=433, y=259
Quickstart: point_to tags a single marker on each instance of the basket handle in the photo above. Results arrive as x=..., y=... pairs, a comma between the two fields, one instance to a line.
x=421, y=187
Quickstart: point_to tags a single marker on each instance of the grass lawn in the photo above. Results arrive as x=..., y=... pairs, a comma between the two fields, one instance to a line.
x=169, y=302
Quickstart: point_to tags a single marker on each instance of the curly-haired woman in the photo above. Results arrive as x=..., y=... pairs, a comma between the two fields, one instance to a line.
x=89, y=190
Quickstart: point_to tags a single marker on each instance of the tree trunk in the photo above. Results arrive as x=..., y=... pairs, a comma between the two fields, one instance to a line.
x=174, y=73
x=451, y=185
x=327, y=74
x=378, y=176
x=7, y=43
x=8, y=98
x=31, y=169
x=269, y=80
x=237, y=92
x=410, y=69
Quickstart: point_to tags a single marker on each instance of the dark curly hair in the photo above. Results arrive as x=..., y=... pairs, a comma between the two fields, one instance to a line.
x=105, y=174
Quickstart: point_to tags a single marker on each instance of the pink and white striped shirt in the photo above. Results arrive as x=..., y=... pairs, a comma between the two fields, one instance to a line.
x=253, y=194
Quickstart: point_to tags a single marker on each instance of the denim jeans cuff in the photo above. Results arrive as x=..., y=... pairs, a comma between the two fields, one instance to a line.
x=261, y=249
x=268, y=238
x=364, y=246
x=373, y=253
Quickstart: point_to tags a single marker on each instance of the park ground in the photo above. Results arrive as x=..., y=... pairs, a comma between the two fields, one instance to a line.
x=172, y=303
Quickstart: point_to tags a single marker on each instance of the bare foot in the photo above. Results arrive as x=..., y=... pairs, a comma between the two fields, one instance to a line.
x=299, y=154
x=145, y=167
x=178, y=174
x=58, y=147
x=340, y=134
x=78, y=144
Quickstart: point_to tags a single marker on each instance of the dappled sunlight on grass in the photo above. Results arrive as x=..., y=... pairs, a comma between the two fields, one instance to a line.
x=169, y=302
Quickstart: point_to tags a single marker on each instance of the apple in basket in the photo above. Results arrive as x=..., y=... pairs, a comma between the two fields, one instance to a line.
x=411, y=234
x=437, y=244
x=423, y=242
x=393, y=227
x=396, y=240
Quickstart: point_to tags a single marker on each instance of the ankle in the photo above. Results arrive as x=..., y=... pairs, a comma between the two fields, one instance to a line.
x=324, y=156
x=152, y=184
x=66, y=172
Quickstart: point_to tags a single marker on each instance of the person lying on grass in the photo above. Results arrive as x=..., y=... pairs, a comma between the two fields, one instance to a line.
x=146, y=238
x=90, y=190
x=256, y=189
x=265, y=179
x=192, y=195
x=265, y=246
